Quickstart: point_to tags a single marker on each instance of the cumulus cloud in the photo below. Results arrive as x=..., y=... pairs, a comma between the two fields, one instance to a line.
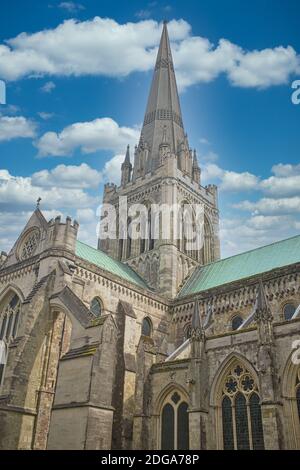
x=229, y=180
x=96, y=47
x=16, y=127
x=68, y=176
x=288, y=205
x=112, y=169
x=286, y=169
x=17, y=192
x=100, y=134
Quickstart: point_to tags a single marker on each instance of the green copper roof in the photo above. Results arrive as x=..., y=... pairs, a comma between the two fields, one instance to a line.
x=244, y=265
x=103, y=261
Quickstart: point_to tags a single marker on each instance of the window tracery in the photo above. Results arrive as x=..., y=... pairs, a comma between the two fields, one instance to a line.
x=29, y=245
x=241, y=411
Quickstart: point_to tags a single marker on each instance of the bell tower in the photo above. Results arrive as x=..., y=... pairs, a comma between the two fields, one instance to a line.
x=165, y=172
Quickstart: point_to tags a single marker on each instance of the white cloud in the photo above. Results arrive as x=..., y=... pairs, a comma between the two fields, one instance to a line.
x=270, y=206
x=16, y=127
x=68, y=176
x=71, y=7
x=48, y=87
x=100, y=134
x=261, y=69
x=98, y=46
x=19, y=193
x=86, y=215
x=282, y=186
x=112, y=169
x=229, y=180
x=282, y=170
x=239, y=234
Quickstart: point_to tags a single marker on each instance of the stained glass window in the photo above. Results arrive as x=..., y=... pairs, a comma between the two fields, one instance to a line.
x=167, y=428
x=182, y=427
x=256, y=423
x=241, y=422
x=241, y=411
x=175, y=423
x=227, y=424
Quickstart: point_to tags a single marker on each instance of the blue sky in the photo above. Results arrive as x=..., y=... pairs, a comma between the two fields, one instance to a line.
x=78, y=76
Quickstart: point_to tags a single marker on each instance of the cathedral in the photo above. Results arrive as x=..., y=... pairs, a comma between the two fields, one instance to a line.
x=145, y=343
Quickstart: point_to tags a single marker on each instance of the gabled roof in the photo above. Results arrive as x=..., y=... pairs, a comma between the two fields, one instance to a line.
x=103, y=261
x=244, y=265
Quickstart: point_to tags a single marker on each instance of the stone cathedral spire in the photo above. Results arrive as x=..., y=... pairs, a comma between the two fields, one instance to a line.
x=163, y=120
x=165, y=173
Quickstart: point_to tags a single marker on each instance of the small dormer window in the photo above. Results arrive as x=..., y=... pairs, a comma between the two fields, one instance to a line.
x=30, y=244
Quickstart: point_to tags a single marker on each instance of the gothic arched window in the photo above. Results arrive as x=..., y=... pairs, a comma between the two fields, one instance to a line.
x=3, y=359
x=174, y=423
x=208, y=242
x=96, y=307
x=129, y=240
x=236, y=322
x=9, y=321
x=288, y=311
x=9, y=318
x=146, y=327
x=150, y=228
x=241, y=411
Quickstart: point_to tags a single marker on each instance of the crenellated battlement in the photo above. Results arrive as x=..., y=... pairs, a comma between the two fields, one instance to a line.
x=62, y=234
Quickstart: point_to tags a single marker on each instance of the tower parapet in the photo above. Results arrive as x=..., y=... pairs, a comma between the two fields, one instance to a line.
x=62, y=235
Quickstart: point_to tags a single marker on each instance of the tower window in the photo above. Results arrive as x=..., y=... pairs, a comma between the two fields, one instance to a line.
x=96, y=307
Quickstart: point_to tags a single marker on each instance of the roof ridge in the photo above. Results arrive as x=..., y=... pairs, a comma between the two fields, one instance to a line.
x=203, y=271
x=108, y=256
x=128, y=269
x=249, y=251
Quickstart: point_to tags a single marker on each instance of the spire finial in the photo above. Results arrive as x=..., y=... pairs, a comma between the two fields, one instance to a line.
x=38, y=202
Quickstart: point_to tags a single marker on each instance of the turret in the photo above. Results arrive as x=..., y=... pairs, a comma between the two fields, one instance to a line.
x=196, y=173
x=126, y=169
x=62, y=235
